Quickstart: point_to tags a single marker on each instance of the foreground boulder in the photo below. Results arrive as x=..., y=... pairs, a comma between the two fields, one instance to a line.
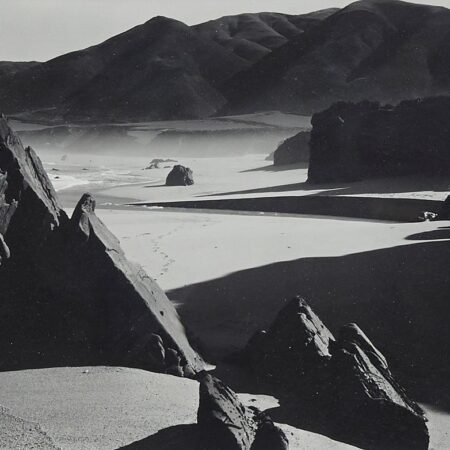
x=294, y=346
x=364, y=140
x=180, y=176
x=70, y=296
x=226, y=424
x=293, y=150
x=344, y=384
x=368, y=399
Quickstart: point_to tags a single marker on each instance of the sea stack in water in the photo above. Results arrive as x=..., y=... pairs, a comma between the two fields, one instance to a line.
x=70, y=296
x=180, y=176
x=226, y=424
x=293, y=150
x=345, y=383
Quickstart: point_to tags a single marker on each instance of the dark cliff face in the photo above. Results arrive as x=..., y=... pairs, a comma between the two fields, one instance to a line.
x=343, y=387
x=69, y=295
x=356, y=141
x=293, y=150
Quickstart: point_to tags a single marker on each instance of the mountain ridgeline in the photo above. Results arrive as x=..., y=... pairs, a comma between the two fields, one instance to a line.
x=380, y=50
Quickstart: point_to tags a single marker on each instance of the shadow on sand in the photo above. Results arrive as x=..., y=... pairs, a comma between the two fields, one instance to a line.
x=373, y=186
x=179, y=437
x=272, y=168
x=434, y=235
x=398, y=296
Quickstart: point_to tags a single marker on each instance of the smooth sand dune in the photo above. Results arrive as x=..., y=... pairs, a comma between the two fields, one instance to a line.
x=96, y=408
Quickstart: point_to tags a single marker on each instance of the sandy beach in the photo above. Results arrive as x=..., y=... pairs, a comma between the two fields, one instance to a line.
x=228, y=273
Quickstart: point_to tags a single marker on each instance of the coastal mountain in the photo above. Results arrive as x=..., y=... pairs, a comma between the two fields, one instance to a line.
x=253, y=36
x=10, y=68
x=382, y=50
x=159, y=70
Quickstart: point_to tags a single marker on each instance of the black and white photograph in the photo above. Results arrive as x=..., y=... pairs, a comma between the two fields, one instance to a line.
x=224, y=225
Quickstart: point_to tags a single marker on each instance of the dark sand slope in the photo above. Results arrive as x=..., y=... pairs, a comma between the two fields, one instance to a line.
x=398, y=295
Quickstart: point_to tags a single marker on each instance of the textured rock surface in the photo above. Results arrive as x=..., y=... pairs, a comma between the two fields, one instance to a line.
x=444, y=213
x=269, y=436
x=357, y=141
x=293, y=150
x=368, y=399
x=226, y=424
x=294, y=346
x=344, y=384
x=71, y=296
x=180, y=176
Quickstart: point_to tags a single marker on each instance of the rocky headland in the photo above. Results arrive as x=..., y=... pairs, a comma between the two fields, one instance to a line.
x=357, y=141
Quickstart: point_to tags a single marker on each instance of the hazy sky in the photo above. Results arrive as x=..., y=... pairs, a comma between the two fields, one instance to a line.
x=42, y=29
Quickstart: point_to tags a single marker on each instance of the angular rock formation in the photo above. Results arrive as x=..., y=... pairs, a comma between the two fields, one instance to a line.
x=444, y=213
x=298, y=342
x=180, y=176
x=226, y=424
x=269, y=436
x=69, y=294
x=344, y=384
x=293, y=150
x=368, y=399
x=357, y=141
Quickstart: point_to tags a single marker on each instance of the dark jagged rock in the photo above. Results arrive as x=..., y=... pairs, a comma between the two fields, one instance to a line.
x=293, y=150
x=368, y=399
x=357, y=141
x=226, y=424
x=345, y=385
x=444, y=213
x=4, y=249
x=296, y=344
x=269, y=436
x=71, y=296
x=180, y=176
x=222, y=417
